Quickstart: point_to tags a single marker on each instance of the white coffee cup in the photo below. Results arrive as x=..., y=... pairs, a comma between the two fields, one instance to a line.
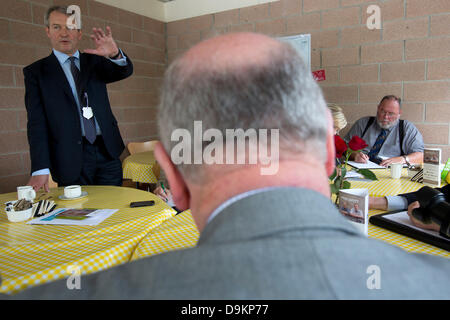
x=396, y=170
x=72, y=191
x=26, y=192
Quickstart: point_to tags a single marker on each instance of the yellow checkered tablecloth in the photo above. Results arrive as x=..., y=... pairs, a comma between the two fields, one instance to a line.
x=179, y=232
x=35, y=254
x=388, y=186
x=140, y=167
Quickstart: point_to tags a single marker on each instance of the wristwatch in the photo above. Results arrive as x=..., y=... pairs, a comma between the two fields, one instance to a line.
x=407, y=160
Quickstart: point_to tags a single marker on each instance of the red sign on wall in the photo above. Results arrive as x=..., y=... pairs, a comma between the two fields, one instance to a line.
x=319, y=75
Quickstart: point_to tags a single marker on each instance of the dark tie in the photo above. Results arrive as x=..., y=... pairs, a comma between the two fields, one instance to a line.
x=89, y=124
x=377, y=146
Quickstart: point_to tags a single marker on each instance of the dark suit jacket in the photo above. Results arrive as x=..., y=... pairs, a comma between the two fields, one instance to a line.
x=54, y=130
x=411, y=197
x=287, y=243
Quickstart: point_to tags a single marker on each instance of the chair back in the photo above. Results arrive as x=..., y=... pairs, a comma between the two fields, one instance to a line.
x=51, y=183
x=136, y=147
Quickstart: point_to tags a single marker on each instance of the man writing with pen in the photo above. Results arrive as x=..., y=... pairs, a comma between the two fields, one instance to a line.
x=162, y=192
x=165, y=194
x=389, y=139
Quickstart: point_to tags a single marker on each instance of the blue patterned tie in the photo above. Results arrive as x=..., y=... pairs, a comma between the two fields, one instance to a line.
x=89, y=124
x=377, y=146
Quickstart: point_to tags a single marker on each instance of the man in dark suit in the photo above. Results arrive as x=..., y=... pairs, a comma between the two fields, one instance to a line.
x=264, y=234
x=72, y=131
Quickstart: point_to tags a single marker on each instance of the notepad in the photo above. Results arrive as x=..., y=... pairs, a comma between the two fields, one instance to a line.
x=368, y=165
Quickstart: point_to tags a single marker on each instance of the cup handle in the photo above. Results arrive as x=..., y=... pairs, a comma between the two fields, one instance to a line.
x=32, y=193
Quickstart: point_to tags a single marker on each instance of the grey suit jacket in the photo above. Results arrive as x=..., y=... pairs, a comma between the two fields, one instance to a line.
x=288, y=243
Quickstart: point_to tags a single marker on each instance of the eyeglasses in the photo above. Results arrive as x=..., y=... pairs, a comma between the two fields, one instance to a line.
x=389, y=114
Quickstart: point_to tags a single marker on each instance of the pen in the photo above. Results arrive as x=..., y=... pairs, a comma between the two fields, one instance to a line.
x=165, y=192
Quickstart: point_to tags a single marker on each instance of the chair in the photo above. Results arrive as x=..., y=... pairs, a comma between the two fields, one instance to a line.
x=51, y=183
x=136, y=147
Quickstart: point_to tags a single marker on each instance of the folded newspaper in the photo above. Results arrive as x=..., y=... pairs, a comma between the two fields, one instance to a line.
x=78, y=217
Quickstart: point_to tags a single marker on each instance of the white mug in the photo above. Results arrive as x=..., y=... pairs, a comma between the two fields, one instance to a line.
x=26, y=192
x=72, y=191
x=396, y=170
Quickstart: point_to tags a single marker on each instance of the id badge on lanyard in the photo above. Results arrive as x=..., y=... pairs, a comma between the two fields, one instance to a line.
x=87, y=111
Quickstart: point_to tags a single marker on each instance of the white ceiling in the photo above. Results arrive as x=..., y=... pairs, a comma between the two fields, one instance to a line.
x=172, y=10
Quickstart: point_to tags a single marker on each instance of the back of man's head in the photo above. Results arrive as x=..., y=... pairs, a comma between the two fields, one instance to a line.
x=247, y=81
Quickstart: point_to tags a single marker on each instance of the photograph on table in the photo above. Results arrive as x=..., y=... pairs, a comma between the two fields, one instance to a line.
x=354, y=205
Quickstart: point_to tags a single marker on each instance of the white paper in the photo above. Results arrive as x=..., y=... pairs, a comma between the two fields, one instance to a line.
x=93, y=218
x=353, y=174
x=368, y=165
x=354, y=205
x=403, y=218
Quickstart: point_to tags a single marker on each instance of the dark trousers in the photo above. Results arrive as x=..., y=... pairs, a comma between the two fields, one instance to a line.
x=99, y=168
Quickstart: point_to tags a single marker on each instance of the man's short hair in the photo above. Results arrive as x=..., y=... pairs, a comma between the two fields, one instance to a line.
x=391, y=97
x=279, y=94
x=61, y=9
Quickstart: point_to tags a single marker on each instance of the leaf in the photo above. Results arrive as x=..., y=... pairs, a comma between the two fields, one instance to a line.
x=337, y=182
x=333, y=175
x=343, y=171
x=367, y=174
x=333, y=189
x=346, y=185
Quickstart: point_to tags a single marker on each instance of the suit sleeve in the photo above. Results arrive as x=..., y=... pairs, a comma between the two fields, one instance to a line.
x=109, y=71
x=412, y=196
x=37, y=129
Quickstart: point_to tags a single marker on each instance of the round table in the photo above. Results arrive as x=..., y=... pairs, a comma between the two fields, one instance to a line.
x=34, y=254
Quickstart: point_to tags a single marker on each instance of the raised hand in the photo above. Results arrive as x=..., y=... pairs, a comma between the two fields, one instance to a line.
x=105, y=45
x=38, y=182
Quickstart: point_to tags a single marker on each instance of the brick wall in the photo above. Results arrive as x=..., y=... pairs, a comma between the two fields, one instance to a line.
x=23, y=40
x=409, y=56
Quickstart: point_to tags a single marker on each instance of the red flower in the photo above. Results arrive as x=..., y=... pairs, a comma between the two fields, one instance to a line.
x=340, y=146
x=357, y=143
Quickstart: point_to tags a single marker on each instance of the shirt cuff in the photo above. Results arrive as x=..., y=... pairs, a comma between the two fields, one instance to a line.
x=121, y=62
x=396, y=203
x=41, y=172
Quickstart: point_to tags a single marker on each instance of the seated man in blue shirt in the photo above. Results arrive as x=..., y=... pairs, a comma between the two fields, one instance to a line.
x=389, y=139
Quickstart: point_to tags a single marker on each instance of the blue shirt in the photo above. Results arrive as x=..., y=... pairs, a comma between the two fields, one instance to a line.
x=412, y=141
x=65, y=64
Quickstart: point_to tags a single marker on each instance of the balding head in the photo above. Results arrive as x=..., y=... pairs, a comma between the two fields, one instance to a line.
x=249, y=83
x=246, y=81
x=230, y=53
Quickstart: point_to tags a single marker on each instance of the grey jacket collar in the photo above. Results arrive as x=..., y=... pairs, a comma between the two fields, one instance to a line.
x=275, y=211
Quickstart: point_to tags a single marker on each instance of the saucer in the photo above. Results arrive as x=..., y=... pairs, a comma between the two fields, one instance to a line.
x=83, y=194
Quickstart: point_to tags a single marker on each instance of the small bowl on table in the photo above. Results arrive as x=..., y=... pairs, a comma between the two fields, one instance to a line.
x=17, y=216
